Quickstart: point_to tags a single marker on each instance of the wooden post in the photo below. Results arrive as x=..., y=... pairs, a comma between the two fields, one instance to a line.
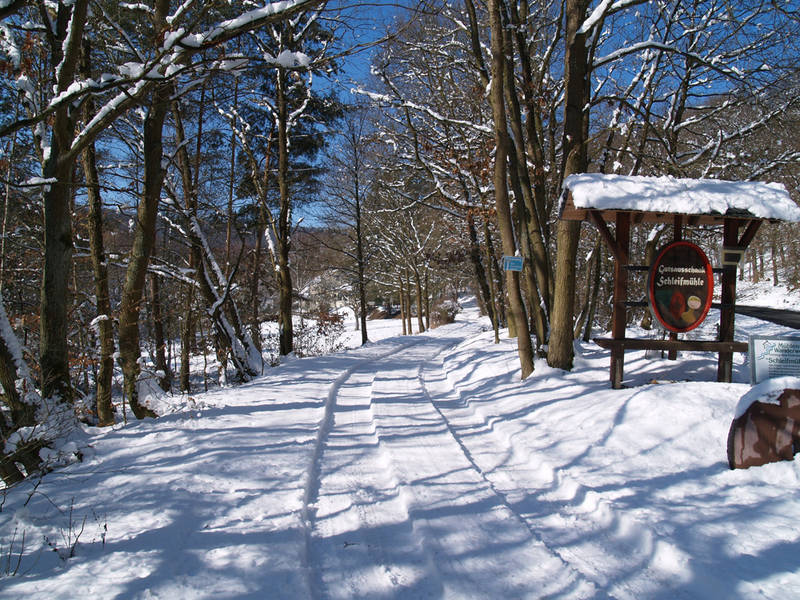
x=677, y=223
x=619, y=316
x=727, y=313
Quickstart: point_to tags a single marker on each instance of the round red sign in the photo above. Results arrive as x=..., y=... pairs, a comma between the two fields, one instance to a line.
x=680, y=286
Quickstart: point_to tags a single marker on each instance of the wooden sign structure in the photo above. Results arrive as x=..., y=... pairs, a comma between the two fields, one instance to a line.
x=628, y=201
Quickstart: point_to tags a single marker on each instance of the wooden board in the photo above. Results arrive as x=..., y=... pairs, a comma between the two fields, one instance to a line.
x=685, y=345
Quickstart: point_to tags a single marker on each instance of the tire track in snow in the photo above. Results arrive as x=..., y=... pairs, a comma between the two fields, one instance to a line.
x=548, y=499
x=503, y=495
x=397, y=506
x=314, y=474
x=481, y=547
x=581, y=584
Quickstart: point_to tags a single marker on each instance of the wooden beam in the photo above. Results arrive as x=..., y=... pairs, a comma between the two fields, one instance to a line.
x=684, y=345
x=605, y=233
x=571, y=213
x=749, y=233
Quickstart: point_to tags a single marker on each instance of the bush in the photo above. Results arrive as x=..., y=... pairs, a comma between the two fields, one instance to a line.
x=444, y=313
x=320, y=334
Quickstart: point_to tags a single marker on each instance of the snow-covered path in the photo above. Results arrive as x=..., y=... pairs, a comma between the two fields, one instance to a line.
x=401, y=507
x=418, y=467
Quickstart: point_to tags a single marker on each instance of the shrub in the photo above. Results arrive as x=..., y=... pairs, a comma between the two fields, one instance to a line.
x=444, y=313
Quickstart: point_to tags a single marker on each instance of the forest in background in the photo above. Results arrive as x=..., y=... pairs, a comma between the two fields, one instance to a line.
x=177, y=175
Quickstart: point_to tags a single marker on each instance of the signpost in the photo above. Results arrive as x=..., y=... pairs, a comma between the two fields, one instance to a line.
x=773, y=357
x=680, y=286
x=512, y=263
x=627, y=201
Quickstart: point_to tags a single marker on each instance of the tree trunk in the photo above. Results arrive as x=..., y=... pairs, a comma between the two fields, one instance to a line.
x=418, y=291
x=187, y=334
x=529, y=284
x=105, y=327
x=285, y=324
x=361, y=264
x=231, y=335
x=143, y=242
x=9, y=472
x=11, y=151
x=560, y=354
x=782, y=250
x=190, y=190
x=598, y=267
x=286, y=327
x=589, y=293
x=22, y=411
x=495, y=289
x=362, y=304
x=144, y=235
x=773, y=250
x=165, y=379
x=649, y=256
x=58, y=246
x=484, y=294
x=255, y=301
x=427, y=295
x=502, y=205
x=231, y=181
x=55, y=297
x=403, y=308
x=531, y=87
x=408, y=304
x=531, y=237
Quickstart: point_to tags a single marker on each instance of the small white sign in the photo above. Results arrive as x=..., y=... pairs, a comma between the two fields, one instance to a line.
x=730, y=256
x=773, y=357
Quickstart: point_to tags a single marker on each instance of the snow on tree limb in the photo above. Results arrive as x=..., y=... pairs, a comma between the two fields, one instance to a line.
x=136, y=79
x=604, y=9
x=399, y=103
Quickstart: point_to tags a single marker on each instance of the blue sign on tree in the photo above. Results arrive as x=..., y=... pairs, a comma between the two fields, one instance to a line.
x=512, y=263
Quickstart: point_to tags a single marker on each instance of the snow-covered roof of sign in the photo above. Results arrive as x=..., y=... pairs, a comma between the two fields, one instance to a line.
x=660, y=197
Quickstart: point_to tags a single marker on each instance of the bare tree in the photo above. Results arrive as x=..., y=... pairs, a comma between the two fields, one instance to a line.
x=502, y=148
x=348, y=185
x=103, y=320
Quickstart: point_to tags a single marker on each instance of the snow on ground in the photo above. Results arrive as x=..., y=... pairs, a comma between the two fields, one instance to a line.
x=377, y=330
x=768, y=295
x=419, y=467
